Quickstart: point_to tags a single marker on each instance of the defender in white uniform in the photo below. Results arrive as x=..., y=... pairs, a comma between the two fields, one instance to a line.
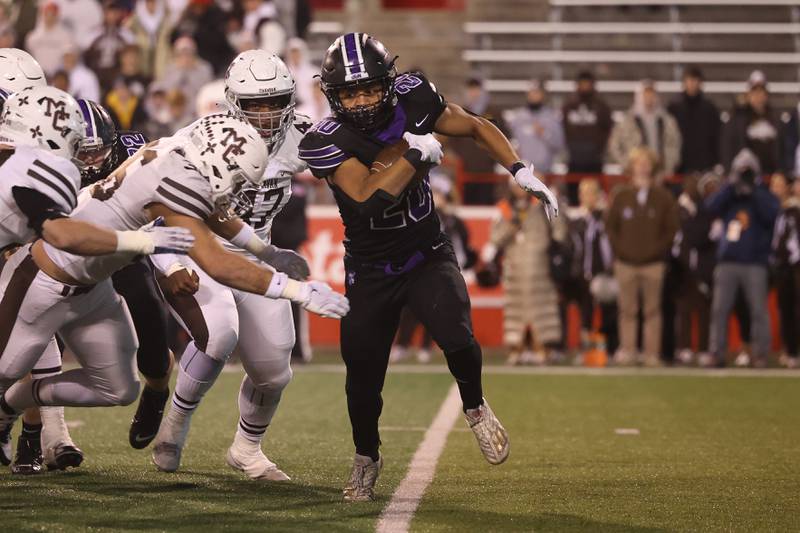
x=40, y=130
x=260, y=88
x=74, y=296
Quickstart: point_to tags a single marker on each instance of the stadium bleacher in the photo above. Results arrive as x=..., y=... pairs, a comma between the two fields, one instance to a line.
x=625, y=40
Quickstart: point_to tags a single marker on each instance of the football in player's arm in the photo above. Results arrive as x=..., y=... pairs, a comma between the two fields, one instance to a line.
x=354, y=177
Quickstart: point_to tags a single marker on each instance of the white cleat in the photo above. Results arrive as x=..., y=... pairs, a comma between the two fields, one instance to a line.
x=247, y=457
x=167, y=456
x=169, y=442
x=361, y=486
x=58, y=449
x=491, y=435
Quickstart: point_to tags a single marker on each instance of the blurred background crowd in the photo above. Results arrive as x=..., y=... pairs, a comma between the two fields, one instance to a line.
x=681, y=214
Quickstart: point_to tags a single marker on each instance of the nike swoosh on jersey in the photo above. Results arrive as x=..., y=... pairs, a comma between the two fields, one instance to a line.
x=418, y=124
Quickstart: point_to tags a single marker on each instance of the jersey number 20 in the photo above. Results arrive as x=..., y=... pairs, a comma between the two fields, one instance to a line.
x=413, y=207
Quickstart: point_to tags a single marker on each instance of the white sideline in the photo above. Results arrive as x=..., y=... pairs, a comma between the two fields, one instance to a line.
x=396, y=517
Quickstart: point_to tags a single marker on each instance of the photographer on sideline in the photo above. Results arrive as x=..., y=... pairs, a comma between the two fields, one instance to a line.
x=748, y=211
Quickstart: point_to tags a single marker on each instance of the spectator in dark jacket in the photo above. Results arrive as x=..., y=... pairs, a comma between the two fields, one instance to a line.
x=595, y=265
x=694, y=252
x=587, y=125
x=791, y=143
x=477, y=164
x=204, y=22
x=102, y=56
x=748, y=211
x=756, y=127
x=698, y=120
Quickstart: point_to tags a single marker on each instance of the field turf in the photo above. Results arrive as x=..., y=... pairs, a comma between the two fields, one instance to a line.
x=701, y=453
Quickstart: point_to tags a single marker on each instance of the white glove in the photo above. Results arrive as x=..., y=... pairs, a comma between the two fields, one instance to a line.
x=288, y=261
x=324, y=301
x=533, y=185
x=155, y=238
x=314, y=296
x=427, y=144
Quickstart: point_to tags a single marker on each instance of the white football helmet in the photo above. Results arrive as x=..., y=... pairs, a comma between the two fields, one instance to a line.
x=229, y=152
x=260, y=88
x=45, y=117
x=19, y=70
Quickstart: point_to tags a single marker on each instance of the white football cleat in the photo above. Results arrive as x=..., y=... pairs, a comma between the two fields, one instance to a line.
x=361, y=486
x=58, y=449
x=167, y=456
x=247, y=457
x=491, y=435
x=169, y=442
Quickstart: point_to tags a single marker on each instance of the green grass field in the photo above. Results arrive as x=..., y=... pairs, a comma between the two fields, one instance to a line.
x=712, y=454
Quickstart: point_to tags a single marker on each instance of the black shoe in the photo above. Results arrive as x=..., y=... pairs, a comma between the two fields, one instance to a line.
x=144, y=426
x=28, y=460
x=5, y=446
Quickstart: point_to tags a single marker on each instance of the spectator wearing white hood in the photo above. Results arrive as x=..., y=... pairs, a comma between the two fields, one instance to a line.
x=81, y=18
x=49, y=38
x=648, y=124
x=310, y=100
x=261, y=25
x=82, y=81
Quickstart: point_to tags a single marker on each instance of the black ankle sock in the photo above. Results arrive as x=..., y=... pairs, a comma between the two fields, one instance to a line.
x=465, y=365
x=154, y=393
x=31, y=431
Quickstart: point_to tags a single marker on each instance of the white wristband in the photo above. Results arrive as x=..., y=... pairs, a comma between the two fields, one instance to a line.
x=281, y=286
x=243, y=237
x=135, y=241
x=175, y=267
x=247, y=239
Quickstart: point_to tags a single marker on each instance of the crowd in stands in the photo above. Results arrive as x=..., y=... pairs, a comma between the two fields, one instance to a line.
x=157, y=64
x=703, y=220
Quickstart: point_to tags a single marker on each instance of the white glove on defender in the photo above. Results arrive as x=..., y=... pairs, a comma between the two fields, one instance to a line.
x=530, y=183
x=315, y=296
x=155, y=238
x=324, y=301
x=427, y=144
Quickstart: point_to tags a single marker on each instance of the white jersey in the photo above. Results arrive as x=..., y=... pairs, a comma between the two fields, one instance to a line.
x=118, y=202
x=40, y=170
x=273, y=194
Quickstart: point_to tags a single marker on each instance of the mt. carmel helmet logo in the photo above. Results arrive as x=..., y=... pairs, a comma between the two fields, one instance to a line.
x=233, y=145
x=56, y=109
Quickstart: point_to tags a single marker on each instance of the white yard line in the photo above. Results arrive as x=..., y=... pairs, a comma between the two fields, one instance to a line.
x=396, y=517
